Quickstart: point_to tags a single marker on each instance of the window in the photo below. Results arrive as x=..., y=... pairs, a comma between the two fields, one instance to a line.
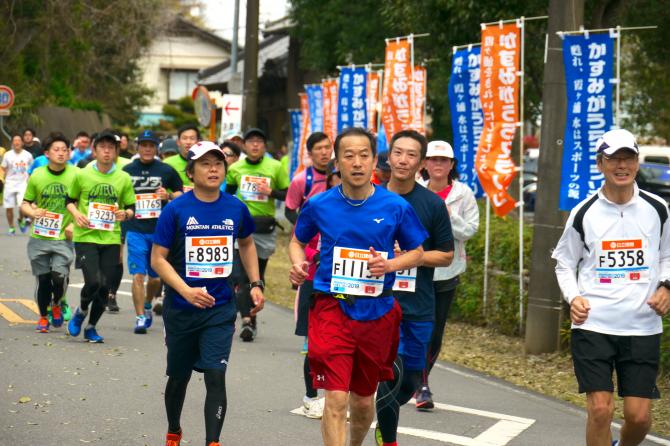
x=180, y=84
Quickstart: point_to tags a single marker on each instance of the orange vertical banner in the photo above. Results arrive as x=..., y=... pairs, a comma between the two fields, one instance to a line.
x=303, y=158
x=396, y=94
x=330, y=108
x=419, y=106
x=499, y=93
x=373, y=99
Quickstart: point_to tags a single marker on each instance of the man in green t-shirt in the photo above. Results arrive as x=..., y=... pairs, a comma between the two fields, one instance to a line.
x=49, y=251
x=101, y=197
x=258, y=181
x=187, y=135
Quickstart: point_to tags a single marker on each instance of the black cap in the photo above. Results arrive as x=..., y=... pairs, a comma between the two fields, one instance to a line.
x=107, y=136
x=255, y=132
x=383, y=162
x=169, y=146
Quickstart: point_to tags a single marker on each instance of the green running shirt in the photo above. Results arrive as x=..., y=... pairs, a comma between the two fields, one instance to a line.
x=50, y=192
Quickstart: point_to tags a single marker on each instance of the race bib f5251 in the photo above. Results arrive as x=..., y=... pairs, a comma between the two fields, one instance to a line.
x=350, y=273
x=622, y=261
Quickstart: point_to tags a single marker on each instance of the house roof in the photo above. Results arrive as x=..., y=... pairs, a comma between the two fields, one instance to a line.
x=181, y=26
x=275, y=47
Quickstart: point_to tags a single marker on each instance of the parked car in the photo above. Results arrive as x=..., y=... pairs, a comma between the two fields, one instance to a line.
x=655, y=178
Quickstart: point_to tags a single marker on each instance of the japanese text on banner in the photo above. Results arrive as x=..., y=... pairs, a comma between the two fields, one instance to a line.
x=352, y=111
x=589, y=68
x=396, y=94
x=330, y=108
x=373, y=99
x=296, y=122
x=315, y=102
x=303, y=157
x=418, y=108
x=499, y=93
x=467, y=119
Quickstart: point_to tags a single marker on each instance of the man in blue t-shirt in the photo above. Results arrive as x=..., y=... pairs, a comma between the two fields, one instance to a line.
x=413, y=288
x=193, y=254
x=154, y=183
x=354, y=320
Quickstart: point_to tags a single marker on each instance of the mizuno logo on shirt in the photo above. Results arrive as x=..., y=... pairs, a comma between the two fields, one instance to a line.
x=377, y=220
x=192, y=221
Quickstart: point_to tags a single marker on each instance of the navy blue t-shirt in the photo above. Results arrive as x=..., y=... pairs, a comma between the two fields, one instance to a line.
x=147, y=179
x=433, y=214
x=378, y=222
x=200, y=237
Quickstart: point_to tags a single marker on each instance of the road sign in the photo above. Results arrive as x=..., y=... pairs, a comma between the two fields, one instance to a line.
x=202, y=105
x=6, y=97
x=231, y=115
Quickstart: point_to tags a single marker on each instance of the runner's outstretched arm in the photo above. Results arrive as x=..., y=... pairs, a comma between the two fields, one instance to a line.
x=379, y=266
x=249, y=259
x=296, y=252
x=437, y=257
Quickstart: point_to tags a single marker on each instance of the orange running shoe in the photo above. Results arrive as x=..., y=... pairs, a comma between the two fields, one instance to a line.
x=42, y=325
x=56, y=316
x=173, y=439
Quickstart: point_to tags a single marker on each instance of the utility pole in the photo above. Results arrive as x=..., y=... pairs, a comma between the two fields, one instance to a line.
x=543, y=321
x=249, y=117
x=236, y=30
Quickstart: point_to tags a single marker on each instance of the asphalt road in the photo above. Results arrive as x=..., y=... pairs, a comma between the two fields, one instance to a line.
x=112, y=393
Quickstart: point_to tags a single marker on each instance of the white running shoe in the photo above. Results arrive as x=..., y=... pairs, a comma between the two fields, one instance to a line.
x=313, y=407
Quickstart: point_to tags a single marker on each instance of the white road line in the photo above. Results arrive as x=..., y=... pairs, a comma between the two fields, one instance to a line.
x=81, y=285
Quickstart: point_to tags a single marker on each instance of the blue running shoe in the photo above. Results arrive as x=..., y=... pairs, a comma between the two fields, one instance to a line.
x=148, y=315
x=92, y=336
x=56, y=316
x=74, y=326
x=304, y=347
x=140, y=325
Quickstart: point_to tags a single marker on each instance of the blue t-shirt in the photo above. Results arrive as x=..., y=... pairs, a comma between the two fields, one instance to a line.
x=433, y=214
x=378, y=222
x=40, y=161
x=186, y=216
x=78, y=156
x=147, y=179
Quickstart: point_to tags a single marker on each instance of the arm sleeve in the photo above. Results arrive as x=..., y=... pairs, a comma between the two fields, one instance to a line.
x=664, y=255
x=466, y=223
x=305, y=227
x=166, y=227
x=409, y=232
x=247, y=225
x=568, y=253
x=278, y=194
x=282, y=180
x=291, y=215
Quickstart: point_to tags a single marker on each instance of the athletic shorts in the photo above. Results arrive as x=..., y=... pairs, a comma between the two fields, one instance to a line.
x=635, y=358
x=265, y=244
x=198, y=339
x=139, y=253
x=349, y=355
x=304, y=297
x=13, y=196
x=50, y=255
x=414, y=340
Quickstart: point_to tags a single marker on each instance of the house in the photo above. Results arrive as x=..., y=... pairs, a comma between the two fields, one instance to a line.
x=171, y=64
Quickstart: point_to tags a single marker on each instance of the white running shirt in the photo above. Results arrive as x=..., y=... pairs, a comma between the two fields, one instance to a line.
x=16, y=167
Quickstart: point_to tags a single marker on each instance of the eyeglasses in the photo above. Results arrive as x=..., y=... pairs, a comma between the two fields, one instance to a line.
x=228, y=154
x=623, y=159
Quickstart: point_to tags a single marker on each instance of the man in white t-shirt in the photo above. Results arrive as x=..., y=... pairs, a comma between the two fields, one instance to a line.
x=14, y=171
x=613, y=267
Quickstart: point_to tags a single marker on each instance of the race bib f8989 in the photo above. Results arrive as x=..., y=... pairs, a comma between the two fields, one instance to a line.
x=350, y=274
x=622, y=261
x=209, y=257
x=101, y=216
x=405, y=280
x=249, y=186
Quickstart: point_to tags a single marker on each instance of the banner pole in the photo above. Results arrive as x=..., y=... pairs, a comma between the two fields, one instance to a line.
x=521, y=204
x=412, y=93
x=486, y=254
x=380, y=99
x=618, y=74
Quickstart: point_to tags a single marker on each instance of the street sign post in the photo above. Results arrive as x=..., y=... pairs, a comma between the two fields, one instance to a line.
x=6, y=102
x=231, y=115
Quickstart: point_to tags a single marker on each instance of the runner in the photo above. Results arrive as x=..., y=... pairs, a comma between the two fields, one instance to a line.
x=14, y=173
x=353, y=337
x=613, y=266
x=304, y=185
x=232, y=151
x=187, y=135
x=258, y=181
x=442, y=168
x=80, y=148
x=31, y=143
x=154, y=183
x=193, y=243
x=168, y=148
x=413, y=288
x=49, y=251
x=101, y=197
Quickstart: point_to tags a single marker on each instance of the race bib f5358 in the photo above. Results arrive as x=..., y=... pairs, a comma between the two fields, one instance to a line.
x=622, y=261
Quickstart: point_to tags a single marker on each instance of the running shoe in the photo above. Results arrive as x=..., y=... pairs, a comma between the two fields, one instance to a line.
x=23, y=226
x=173, y=439
x=56, y=315
x=65, y=309
x=74, y=326
x=247, y=333
x=304, y=347
x=158, y=306
x=92, y=336
x=11, y=231
x=313, y=407
x=213, y=443
x=140, y=325
x=615, y=442
x=424, y=399
x=148, y=315
x=42, y=325
x=112, y=306
x=378, y=435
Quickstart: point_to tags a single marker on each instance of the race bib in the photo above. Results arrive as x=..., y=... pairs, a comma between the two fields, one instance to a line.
x=249, y=186
x=101, y=216
x=350, y=274
x=209, y=257
x=147, y=206
x=405, y=280
x=622, y=261
x=48, y=225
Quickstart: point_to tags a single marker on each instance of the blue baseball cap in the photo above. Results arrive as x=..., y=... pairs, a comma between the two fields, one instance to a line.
x=150, y=136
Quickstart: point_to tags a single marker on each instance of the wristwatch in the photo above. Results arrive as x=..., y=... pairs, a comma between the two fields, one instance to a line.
x=664, y=283
x=259, y=283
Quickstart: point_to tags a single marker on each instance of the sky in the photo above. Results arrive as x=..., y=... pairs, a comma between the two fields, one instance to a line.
x=218, y=15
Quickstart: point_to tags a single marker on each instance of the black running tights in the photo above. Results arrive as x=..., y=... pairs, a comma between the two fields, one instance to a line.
x=48, y=285
x=443, y=302
x=98, y=263
x=393, y=394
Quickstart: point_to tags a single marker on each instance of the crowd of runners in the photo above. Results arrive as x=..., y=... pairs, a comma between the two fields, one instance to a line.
x=376, y=253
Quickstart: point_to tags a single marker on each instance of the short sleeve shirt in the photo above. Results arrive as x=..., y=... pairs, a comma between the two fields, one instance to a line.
x=49, y=190
x=376, y=222
x=185, y=217
x=16, y=166
x=243, y=174
x=295, y=196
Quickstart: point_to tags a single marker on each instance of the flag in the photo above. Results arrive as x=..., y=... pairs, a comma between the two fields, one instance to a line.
x=351, y=97
x=330, y=108
x=396, y=94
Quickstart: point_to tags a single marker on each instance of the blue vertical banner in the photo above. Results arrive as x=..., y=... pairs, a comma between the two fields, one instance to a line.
x=352, y=99
x=589, y=71
x=296, y=122
x=315, y=100
x=467, y=118
x=382, y=143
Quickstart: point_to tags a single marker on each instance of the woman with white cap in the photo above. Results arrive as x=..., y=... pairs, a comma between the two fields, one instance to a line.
x=464, y=213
